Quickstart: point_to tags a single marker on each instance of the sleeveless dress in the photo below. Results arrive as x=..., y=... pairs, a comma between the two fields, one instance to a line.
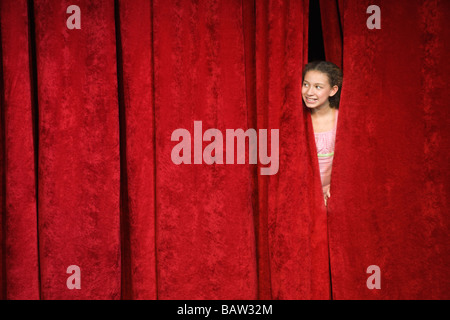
x=325, y=142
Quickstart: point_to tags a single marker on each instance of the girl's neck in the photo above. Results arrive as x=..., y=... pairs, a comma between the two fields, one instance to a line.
x=322, y=111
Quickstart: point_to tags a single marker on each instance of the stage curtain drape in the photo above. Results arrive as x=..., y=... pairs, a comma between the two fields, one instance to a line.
x=331, y=13
x=292, y=217
x=87, y=175
x=389, y=189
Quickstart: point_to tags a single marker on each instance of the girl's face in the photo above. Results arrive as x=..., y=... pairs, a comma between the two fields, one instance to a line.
x=316, y=90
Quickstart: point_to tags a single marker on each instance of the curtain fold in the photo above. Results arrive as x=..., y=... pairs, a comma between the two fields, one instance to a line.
x=331, y=17
x=136, y=94
x=205, y=234
x=79, y=160
x=390, y=175
x=291, y=211
x=20, y=261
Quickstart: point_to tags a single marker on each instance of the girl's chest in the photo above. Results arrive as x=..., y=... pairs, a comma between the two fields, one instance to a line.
x=323, y=125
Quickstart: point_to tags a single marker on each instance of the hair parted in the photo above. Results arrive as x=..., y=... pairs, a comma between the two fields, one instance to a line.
x=334, y=74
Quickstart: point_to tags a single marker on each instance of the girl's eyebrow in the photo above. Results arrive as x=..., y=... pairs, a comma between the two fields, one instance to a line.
x=315, y=83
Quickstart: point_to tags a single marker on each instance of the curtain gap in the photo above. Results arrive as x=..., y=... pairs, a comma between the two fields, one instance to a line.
x=341, y=30
x=339, y=9
x=316, y=51
x=125, y=253
x=316, y=48
x=35, y=117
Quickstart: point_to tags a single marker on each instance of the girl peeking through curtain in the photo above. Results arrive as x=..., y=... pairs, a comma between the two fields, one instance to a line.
x=321, y=89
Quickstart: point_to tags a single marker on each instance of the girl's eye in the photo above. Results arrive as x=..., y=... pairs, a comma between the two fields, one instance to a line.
x=305, y=84
x=318, y=87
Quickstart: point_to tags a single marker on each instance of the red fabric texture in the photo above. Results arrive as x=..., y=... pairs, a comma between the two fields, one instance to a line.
x=79, y=167
x=290, y=206
x=331, y=17
x=110, y=200
x=389, y=188
x=136, y=76
x=205, y=237
x=20, y=266
x=87, y=177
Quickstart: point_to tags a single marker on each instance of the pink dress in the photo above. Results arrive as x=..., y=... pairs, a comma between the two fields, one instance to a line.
x=325, y=142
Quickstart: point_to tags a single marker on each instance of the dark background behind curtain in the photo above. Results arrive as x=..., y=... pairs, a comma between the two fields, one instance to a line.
x=87, y=177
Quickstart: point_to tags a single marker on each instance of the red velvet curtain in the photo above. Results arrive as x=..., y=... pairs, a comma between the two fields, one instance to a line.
x=87, y=176
x=389, y=203
x=331, y=13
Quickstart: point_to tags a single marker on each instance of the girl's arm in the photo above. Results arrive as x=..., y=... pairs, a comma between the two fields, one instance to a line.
x=326, y=196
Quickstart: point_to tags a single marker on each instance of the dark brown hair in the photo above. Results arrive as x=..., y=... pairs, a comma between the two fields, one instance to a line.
x=334, y=74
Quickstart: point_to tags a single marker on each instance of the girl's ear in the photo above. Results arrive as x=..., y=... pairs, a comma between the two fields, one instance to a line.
x=334, y=90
